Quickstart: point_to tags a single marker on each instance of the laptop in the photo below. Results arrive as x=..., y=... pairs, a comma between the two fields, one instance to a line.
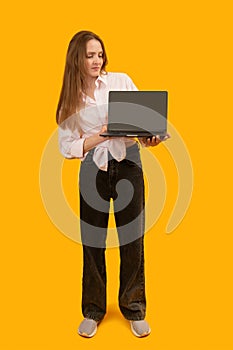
x=137, y=114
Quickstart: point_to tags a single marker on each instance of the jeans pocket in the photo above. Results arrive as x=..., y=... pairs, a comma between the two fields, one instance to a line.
x=133, y=160
x=89, y=158
x=133, y=156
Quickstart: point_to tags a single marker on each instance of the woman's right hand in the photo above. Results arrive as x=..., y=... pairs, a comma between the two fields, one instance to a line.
x=104, y=129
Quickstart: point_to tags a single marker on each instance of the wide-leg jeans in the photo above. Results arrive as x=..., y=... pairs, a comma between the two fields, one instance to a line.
x=123, y=182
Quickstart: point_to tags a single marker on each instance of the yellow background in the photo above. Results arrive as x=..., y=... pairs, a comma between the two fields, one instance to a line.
x=183, y=47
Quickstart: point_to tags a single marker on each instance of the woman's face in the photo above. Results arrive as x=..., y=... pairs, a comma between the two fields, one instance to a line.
x=94, y=58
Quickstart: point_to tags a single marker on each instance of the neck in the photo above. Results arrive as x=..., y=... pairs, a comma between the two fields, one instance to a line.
x=90, y=83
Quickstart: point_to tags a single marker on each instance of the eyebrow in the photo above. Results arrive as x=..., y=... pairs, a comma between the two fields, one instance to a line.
x=90, y=52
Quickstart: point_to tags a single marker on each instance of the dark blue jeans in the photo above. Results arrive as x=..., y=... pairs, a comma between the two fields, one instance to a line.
x=123, y=182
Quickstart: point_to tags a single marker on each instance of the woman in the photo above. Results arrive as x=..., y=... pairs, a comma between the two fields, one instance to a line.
x=110, y=168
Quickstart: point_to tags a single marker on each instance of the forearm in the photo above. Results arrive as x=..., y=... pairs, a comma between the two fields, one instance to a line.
x=91, y=142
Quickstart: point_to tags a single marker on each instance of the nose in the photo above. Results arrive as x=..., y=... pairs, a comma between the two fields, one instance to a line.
x=97, y=60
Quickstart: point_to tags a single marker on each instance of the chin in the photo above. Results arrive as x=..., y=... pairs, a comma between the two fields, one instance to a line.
x=94, y=74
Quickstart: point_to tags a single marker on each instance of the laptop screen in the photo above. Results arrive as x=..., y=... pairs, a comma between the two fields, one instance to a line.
x=137, y=111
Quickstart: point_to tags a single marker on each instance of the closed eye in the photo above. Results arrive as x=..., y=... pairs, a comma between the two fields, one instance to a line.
x=91, y=55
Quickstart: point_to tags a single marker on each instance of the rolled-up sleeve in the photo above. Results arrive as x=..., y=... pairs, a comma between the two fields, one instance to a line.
x=130, y=84
x=70, y=142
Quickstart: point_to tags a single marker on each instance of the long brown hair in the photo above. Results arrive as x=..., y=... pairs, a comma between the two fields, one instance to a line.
x=74, y=74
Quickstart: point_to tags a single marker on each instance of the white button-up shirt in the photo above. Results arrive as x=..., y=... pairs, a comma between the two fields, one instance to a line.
x=90, y=120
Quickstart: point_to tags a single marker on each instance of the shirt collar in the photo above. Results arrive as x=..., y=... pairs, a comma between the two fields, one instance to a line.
x=102, y=78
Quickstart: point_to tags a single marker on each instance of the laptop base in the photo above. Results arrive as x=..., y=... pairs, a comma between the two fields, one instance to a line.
x=132, y=134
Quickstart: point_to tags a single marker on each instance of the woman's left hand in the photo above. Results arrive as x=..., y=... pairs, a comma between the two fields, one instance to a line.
x=154, y=141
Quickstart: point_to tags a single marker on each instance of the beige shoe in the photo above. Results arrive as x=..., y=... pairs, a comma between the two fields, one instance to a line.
x=87, y=328
x=140, y=328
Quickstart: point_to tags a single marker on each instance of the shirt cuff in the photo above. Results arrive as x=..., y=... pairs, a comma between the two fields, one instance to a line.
x=76, y=149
